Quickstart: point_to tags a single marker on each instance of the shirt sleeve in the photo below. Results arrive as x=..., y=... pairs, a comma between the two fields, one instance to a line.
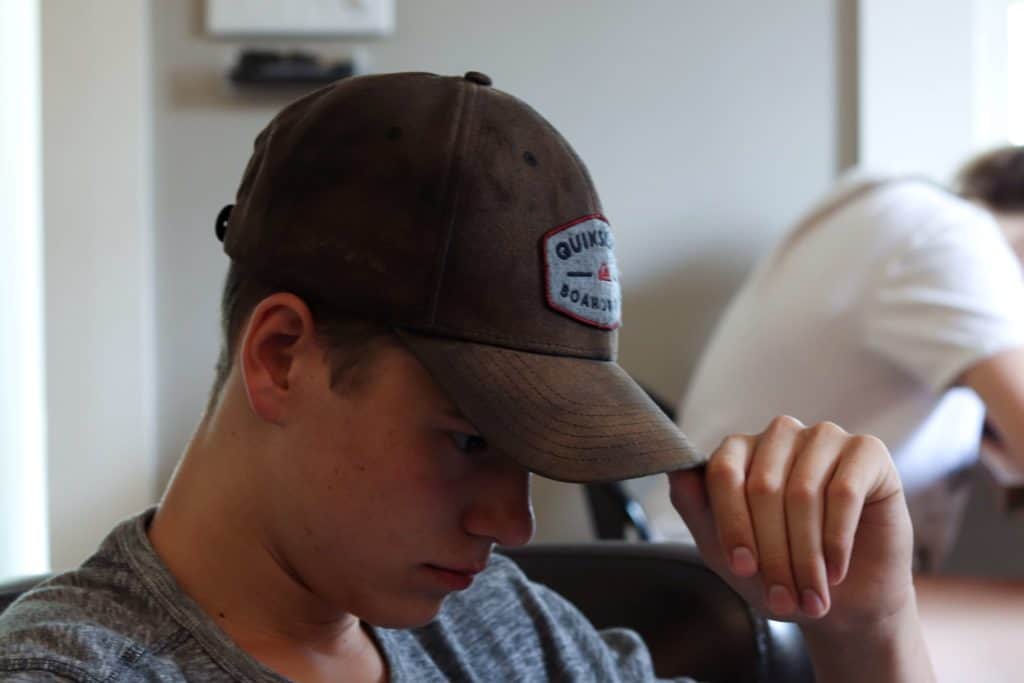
x=951, y=295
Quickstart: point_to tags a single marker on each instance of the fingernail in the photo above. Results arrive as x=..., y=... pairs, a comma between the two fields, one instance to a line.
x=780, y=601
x=813, y=605
x=834, y=574
x=743, y=562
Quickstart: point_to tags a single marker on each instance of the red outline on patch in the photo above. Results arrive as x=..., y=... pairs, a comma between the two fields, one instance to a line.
x=547, y=272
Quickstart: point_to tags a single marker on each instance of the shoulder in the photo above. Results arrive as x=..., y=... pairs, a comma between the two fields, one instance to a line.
x=908, y=203
x=91, y=624
x=62, y=628
x=926, y=209
x=935, y=230
x=912, y=225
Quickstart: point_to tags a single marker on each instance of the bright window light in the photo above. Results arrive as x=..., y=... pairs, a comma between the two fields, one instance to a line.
x=1015, y=71
x=23, y=537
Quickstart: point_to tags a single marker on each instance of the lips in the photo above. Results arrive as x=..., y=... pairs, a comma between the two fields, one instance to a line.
x=455, y=578
x=468, y=571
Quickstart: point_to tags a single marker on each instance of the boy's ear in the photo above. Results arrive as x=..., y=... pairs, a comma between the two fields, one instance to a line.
x=280, y=327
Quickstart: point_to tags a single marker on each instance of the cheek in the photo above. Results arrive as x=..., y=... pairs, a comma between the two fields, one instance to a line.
x=394, y=478
x=392, y=510
x=421, y=485
x=387, y=472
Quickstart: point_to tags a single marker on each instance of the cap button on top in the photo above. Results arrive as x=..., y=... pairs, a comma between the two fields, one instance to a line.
x=478, y=78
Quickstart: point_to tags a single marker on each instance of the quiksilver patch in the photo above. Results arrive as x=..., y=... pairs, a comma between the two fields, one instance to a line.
x=582, y=279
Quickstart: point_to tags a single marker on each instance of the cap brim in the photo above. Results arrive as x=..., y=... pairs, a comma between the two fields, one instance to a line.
x=566, y=418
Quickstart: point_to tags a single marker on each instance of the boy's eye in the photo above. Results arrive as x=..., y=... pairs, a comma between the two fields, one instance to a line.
x=469, y=443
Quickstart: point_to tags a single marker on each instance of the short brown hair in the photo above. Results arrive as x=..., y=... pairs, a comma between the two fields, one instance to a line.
x=350, y=340
x=995, y=178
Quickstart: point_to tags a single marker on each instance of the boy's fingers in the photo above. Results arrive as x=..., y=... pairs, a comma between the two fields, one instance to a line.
x=805, y=511
x=726, y=486
x=851, y=483
x=689, y=497
x=769, y=471
x=785, y=505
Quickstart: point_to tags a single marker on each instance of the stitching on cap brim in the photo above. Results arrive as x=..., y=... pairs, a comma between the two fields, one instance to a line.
x=609, y=430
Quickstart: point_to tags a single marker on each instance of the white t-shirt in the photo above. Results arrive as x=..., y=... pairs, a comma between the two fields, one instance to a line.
x=866, y=319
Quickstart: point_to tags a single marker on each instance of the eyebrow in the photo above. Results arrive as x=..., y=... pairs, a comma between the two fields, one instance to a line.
x=452, y=411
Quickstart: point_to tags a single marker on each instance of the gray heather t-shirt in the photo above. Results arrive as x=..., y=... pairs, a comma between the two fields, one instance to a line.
x=122, y=617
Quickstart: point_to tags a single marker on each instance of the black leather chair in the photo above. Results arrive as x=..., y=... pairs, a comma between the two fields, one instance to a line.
x=692, y=622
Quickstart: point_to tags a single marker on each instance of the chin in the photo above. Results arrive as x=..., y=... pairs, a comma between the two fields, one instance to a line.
x=412, y=612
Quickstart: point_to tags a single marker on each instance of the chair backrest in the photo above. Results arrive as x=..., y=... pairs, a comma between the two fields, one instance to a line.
x=693, y=623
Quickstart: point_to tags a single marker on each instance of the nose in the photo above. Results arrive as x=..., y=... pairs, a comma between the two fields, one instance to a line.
x=500, y=508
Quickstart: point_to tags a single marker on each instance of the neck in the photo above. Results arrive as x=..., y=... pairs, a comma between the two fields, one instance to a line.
x=209, y=532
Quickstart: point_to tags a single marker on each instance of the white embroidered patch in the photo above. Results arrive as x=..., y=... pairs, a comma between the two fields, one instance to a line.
x=582, y=277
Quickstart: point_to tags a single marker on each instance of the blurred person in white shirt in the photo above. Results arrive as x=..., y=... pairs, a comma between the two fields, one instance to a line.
x=894, y=308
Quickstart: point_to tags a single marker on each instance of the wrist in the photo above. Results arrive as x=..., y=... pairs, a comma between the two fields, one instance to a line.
x=888, y=649
x=877, y=626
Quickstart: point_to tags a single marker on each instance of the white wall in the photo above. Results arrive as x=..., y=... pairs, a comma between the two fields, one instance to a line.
x=707, y=127
x=96, y=185
x=915, y=59
x=932, y=82
x=23, y=547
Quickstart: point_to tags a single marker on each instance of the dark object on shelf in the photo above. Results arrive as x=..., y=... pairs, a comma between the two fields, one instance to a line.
x=613, y=510
x=264, y=67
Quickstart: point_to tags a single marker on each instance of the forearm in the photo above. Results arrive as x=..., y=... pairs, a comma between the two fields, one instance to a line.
x=1000, y=384
x=890, y=652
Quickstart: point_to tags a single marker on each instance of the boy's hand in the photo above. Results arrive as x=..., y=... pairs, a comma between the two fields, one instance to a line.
x=809, y=524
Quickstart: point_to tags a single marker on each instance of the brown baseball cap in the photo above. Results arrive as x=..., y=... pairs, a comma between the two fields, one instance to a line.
x=456, y=214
